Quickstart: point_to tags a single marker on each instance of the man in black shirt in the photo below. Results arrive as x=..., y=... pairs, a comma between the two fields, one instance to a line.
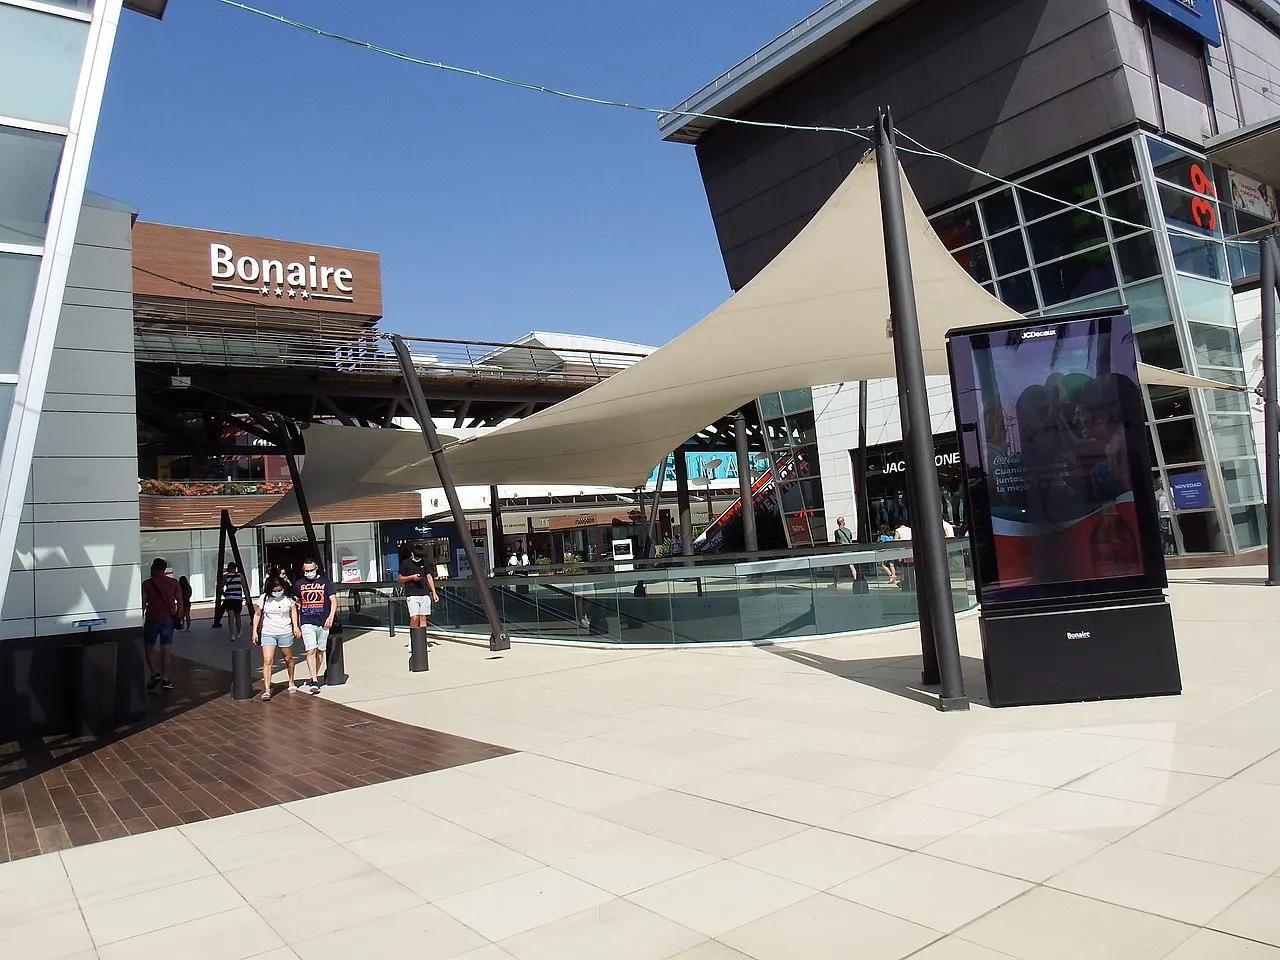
x=419, y=587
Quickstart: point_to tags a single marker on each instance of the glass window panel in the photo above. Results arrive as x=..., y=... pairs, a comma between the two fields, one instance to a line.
x=1177, y=166
x=1077, y=276
x=1019, y=293
x=1159, y=347
x=17, y=288
x=1242, y=480
x=1250, y=526
x=1232, y=436
x=974, y=261
x=1008, y=253
x=776, y=432
x=1138, y=258
x=1245, y=260
x=1072, y=182
x=1215, y=346
x=999, y=211
x=1201, y=532
x=1064, y=234
x=1190, y=212
x=802, y=429
x=1225, y=401
x=84, y=6
x=959, y=228
x=1117, y=166
x=1111, y=299
x=795, y=401
x=1180, y=441
x=1169, y=402
x=6, y=408
x=1207, y=302
x=40, y=56
x=1204, y=258
x=1130, y=205
x=770, y=406
x=28, y=168
x=792, y=498
x=1148, y=304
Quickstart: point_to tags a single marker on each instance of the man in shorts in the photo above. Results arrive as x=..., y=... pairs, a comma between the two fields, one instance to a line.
x=161, y=607
x=419, y=587
x=317, y=606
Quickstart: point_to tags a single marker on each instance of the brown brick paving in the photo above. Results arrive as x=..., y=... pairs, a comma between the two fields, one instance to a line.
x=199, y=754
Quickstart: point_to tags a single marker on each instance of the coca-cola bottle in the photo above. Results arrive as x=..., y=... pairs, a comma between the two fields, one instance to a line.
x=1113, y=549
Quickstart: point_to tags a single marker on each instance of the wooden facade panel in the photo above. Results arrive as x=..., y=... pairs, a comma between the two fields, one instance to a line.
x=191, y=264
x=195, y=513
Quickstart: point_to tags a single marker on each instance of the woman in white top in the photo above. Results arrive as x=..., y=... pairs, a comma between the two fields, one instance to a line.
x=275, y=624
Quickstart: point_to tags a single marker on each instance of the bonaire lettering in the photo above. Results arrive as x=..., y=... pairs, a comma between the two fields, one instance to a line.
x=267, y=276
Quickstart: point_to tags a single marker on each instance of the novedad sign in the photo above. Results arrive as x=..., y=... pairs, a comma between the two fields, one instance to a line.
x=1199, y=16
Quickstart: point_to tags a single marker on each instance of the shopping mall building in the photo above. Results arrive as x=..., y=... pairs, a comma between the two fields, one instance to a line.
x=1160, y=113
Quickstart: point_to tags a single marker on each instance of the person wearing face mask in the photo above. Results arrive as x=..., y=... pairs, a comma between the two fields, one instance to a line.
x=275, y=624
x=419, y=587
x=317, y=606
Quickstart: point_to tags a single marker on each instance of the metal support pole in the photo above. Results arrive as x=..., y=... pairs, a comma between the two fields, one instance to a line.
x=751, y=540
x=235, y=553
x=929, y=548
x=499, y=557
x=651, y=524
x=223, y=523
x=289, y=445
x=1272, y=409
x=498, y=639
x=683, y=504
x=866, y=529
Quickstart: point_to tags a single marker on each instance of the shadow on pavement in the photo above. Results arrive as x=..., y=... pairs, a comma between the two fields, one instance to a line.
x=899, y=676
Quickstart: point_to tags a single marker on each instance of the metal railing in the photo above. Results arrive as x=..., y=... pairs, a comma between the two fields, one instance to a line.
x=248, y=346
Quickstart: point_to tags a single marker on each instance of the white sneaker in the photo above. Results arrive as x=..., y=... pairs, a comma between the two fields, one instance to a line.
x=296, y=688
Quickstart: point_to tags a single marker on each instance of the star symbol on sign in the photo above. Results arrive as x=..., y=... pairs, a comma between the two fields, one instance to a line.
x=279, y=292
x=306, y=295
x=291, y=293
x=265, y=290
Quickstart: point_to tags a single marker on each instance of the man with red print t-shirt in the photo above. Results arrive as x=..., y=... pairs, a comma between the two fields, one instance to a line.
x=317, y=605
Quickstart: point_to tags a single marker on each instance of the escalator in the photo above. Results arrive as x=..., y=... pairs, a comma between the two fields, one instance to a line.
x=764, y=493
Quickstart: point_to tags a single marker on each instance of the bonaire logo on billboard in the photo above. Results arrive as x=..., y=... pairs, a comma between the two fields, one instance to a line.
x=267, y=277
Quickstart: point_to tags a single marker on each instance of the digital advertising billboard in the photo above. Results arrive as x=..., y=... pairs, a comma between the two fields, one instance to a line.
x=1054, y=451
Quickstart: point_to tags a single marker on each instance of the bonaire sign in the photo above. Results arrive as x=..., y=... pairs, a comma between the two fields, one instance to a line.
x=295, y=279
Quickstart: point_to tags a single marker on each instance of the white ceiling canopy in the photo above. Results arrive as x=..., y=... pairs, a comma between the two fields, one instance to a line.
x=817, y=314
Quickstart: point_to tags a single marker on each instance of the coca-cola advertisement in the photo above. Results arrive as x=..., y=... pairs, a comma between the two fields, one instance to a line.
x=1055, y=458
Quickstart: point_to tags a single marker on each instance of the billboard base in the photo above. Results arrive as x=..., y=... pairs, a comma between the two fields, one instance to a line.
x=1089, y=650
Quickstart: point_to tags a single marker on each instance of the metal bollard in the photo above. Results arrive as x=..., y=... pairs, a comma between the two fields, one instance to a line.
x=418, y=650
x=241, y=673
x=335, y=673
x=391, y=617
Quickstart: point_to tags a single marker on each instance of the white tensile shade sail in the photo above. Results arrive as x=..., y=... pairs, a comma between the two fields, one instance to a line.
x=817, y=314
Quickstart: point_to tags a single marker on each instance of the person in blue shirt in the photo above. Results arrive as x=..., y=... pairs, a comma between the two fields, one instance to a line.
x=317, y=606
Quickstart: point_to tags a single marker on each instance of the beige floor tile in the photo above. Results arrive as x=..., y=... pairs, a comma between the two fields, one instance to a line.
x=53, y=937
x=635, y=864
x=1014, y=849
x=1256, y=915
x=1254, y=802
x=46, y=892
x=931, y=892
x=1266, y=770
x=1194, y=758
x=1208, y=945
x=981, y=796
x=568, y=837
x=815, y=803
x=447, y=792
x=618, y=929
x=523, y=902
x=953, y=948
x=131, y=865
x=824, y=927
x=427, y=836
x=461, y=869
x=511, y=817
x=739, y=786
x=1083, y=814
x=720, y=898
x=1188, y=890
x=232, y=935
x=1202, y=836
x=729, y=831
x=746, y=753
x=884, y=778
x=1046, y=924
x=424, y=933
x=1037, y=769
x=711, y=950
x=15, y=874
x=901, y=823
x=288, y=843
x=657, y=811
x=808, y=766
x=142, y=913
x=490, y=952
x=354, y=901
x=286, y=876
x=264, y=820
x=354, y=814
x=1087, y=746
x=947, y=757
x=1128, y=781
x=819, y=858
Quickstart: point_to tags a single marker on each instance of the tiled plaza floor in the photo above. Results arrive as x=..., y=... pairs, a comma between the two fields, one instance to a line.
x=199, y=755
x=721, y=804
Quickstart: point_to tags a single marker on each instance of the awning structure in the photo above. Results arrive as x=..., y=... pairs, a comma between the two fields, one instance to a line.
x=817, y=314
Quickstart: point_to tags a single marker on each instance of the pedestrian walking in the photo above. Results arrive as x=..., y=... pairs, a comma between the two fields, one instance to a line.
x=275, y=626
x=161, y=608
x=419, y=587
x=317, y=607
x=233, y=598
x=185, y=586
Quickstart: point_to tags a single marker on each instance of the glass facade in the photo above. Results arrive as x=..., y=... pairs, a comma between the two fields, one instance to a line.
x=1163, y=256
x=791, y=440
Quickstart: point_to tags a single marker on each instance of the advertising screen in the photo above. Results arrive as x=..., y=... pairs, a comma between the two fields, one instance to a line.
x=1055, y=459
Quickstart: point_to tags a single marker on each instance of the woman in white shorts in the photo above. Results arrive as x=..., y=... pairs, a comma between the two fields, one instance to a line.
x=275, y=625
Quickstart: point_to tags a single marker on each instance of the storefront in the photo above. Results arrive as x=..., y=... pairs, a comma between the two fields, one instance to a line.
x=883, y=503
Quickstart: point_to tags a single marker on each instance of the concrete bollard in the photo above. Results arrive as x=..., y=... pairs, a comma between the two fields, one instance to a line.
x=335, y=672
x=418, y=650
x=242, y=673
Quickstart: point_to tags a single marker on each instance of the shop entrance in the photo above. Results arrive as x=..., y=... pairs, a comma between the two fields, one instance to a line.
x=884, y=488
x=290, y=556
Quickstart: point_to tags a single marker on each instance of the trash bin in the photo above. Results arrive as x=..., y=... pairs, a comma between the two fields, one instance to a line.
x=93, y=676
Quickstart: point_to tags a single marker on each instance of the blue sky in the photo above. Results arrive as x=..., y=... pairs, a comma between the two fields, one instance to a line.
x=496, y=211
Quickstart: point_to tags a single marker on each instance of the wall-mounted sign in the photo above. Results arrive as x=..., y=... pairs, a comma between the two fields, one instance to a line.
x=191, y=264
x=1198, y=16
x=1253, y=197
x=1190, y=490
